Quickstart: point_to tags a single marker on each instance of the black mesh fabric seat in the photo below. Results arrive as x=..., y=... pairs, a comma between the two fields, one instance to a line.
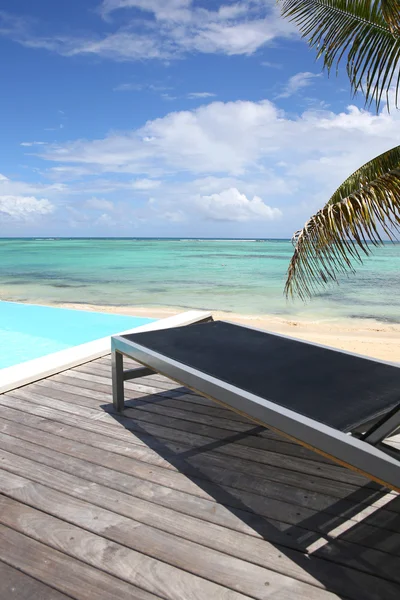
x=335, y=388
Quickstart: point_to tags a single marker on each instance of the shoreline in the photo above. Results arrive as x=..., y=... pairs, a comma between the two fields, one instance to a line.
x=361, y=336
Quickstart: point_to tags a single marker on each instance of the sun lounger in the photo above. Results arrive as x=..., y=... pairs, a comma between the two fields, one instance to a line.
x=336, y=403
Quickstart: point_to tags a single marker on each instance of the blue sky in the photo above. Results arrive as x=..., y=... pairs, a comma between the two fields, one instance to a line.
x=170, y=118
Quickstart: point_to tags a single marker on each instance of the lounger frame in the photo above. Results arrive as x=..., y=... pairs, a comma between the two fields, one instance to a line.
x=367, y=456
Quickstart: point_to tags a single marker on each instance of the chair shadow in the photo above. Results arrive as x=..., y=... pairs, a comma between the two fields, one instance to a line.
x=370, y=546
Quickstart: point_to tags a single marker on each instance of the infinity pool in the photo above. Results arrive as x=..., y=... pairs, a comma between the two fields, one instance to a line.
x=28, y=331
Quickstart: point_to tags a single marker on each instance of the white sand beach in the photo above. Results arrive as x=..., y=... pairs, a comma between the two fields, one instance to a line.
x=367, y=337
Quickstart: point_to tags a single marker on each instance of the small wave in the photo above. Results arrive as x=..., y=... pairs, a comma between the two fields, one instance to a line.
x=378, y=318
x=227, y=240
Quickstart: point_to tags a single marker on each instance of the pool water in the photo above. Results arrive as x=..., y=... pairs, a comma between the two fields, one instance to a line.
x=29, y=331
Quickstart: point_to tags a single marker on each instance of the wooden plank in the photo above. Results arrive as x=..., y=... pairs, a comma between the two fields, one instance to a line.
x=127, y=464
x=165, y=404
x=104, y=370
x=89, y=381
x=238, y=482
x=190, y=400
x=163, y=396
x=182, y=503
x=183, y=431
x=276, y=512
x=257, y=551
x=74, y=389
x=226, y=478
x=281, y=444
x=174, y=449
x=15, y=584
x=93, y=469
x=375, y=532
x=70, y=379
x=191, y=396
x=66, y=574
x=101, y=366
x=133, y=544
x=146, y=387
x=133, y=390
x=208, y=465
x=119, y=559
x=205, y=506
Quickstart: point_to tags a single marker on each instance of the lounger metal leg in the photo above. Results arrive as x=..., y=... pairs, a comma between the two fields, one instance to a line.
x=118, y=380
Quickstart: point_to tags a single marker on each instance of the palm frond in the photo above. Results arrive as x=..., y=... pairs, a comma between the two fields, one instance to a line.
x=391, y=14
x=365, y=33
x=362, y=211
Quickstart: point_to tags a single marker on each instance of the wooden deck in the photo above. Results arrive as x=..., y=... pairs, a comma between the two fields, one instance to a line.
x=178, y=499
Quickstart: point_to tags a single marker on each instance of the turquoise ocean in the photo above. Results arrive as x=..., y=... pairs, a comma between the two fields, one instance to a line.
x=241, y=276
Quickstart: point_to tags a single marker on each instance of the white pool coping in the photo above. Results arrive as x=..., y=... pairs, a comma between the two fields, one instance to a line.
x=39, y=368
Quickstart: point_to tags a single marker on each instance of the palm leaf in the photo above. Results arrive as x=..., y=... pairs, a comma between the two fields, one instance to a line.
x=391, y=14
x=365, y=32
x=362, y=211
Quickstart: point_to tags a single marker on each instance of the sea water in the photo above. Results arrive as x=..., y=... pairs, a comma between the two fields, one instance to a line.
x=242, y=276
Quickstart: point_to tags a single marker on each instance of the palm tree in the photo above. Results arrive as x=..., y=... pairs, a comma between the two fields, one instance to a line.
x=366, y=207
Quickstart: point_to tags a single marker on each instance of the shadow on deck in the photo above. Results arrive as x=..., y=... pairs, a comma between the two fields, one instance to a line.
x=352, y=547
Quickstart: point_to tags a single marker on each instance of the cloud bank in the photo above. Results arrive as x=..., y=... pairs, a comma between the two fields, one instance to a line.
x=162, y=30
x=242, y=162
x=24, y=208
x=231, y=205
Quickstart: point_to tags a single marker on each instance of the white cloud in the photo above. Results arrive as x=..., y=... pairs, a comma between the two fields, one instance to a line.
x=166, y=96
x=271, y=65
x=24, y=207
x=298, y=82
x=145, y=184
x=54, y=128
x=9, y=187
x=176, y=216
x=195, y=95
x=240, y=138
x=213, y=138
x=231, y=161
x=139, y=87
x=162, y=9
x=106, y=219
x=129, y=87
x=99, y=204
x=231, y=205
x=68, y=172
x=230, y=37
x=175, y=28
x=32, y=144
x=121, y=45
x=234, y=161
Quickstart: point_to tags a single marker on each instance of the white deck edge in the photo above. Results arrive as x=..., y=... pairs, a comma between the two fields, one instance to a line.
x=39, y=368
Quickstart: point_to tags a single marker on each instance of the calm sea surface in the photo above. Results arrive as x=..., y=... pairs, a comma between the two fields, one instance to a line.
x=239, y=276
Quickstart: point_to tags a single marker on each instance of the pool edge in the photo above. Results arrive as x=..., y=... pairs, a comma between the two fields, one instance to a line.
x=45, y=366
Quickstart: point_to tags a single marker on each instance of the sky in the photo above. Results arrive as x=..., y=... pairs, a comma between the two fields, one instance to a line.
x=176, y=118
